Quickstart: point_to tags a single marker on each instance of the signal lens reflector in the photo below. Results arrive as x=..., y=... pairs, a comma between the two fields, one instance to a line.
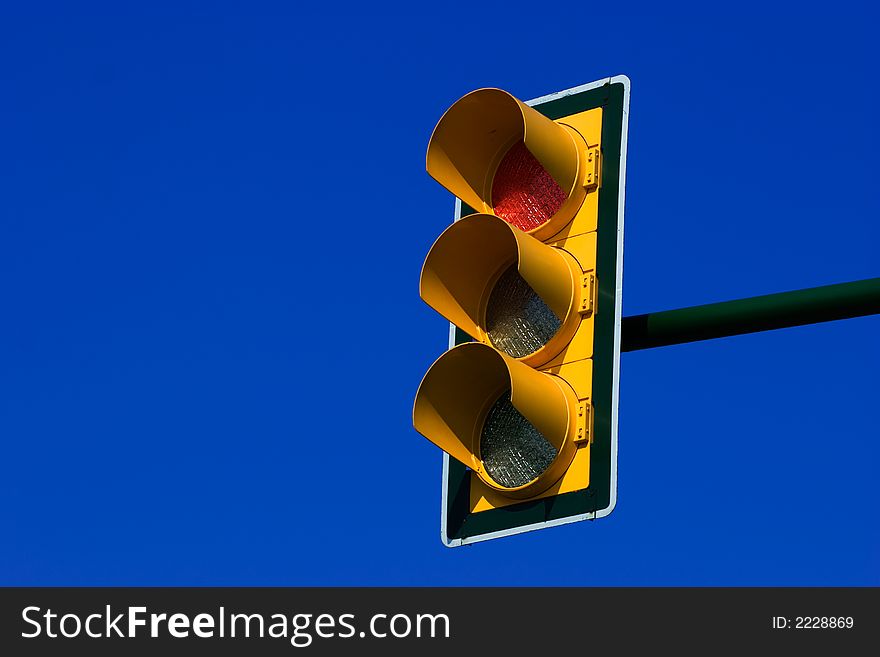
x=524, y=194
x=517, y=319
x=513, y=451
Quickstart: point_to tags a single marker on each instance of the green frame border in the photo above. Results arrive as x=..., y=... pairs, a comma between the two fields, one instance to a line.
x=462, y=525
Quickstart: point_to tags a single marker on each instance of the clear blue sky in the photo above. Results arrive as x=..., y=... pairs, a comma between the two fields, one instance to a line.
x=213, y=221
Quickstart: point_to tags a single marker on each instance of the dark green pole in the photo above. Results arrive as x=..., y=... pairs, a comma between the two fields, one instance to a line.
x=764, y=313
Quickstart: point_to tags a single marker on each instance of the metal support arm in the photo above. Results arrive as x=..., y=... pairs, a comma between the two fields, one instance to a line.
x=764, y=313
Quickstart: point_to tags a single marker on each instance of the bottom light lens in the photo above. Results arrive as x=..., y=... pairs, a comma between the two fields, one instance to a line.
x=513, y=451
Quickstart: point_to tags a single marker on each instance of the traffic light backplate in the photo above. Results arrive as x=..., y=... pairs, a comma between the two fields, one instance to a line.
x=580, y=281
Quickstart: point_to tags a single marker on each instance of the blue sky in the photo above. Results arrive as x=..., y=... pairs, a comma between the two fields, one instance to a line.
x=213, y=221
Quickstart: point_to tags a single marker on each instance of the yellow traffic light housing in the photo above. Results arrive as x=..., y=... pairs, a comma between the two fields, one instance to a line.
x=489, y=131
x=505, y=288
x=533, y=278
x=486, y=410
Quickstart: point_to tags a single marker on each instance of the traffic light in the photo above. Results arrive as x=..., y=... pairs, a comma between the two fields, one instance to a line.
x=525, y=400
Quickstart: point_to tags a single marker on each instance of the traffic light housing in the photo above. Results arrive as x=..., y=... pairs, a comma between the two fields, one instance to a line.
x=525, y=401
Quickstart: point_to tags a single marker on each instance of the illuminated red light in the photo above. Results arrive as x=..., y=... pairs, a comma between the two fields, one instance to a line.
x=524, y=194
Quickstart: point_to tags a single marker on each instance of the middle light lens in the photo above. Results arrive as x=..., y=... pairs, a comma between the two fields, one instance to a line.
x=518, y=321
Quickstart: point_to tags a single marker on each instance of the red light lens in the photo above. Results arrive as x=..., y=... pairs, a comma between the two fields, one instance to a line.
x=524, y=194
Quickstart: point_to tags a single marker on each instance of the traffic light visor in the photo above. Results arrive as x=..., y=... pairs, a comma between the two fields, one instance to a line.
x=512, y=425
x=501, y=156
x=504, y=287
